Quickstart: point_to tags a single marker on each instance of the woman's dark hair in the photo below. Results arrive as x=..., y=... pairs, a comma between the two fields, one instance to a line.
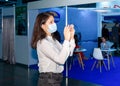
x=38, y=32
x=76, y=39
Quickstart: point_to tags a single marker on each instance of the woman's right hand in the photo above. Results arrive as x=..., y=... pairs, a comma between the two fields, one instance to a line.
x=67, y=32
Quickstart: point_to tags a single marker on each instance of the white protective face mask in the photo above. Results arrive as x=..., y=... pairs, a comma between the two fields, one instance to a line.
x=52, y=28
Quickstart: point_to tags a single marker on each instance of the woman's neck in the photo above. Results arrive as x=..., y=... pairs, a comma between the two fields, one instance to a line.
x=48, y=34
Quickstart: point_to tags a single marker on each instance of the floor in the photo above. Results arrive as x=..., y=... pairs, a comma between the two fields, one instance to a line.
x=21, y=75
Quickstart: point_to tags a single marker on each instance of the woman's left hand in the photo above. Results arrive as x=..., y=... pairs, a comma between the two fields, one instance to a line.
x=72, y=31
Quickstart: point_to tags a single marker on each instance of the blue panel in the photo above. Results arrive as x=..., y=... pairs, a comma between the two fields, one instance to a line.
x=85, y=21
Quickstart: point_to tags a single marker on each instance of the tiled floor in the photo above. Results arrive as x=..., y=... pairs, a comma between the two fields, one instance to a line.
x=19, y=75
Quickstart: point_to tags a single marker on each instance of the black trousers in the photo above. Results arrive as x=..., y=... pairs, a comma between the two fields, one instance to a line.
x=50, y=79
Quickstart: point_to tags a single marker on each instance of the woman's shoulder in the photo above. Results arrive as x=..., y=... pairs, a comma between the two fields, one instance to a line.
x=41, y=42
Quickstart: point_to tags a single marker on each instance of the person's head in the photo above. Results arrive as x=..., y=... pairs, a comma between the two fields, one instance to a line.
x=44, y=26
x=117, y=24
x=104, y=26
x=103, y=39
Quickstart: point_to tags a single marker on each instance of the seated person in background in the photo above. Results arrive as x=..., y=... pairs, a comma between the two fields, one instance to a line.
x=105, y=44
x=77, y=47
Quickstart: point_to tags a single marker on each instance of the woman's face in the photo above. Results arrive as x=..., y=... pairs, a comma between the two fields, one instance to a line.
x=48, y=22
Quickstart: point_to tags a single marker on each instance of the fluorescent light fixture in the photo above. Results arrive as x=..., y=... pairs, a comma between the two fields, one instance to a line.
x=102, y=10
x=103, y=5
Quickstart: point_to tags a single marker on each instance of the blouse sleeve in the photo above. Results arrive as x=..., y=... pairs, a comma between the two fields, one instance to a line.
x=72, y=46
x=48, y=50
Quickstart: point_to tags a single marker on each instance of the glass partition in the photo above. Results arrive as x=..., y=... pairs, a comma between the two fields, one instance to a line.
x=85, y=21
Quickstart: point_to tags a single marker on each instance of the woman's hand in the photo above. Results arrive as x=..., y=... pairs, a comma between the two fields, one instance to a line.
x=72, y=31
x=67, y=32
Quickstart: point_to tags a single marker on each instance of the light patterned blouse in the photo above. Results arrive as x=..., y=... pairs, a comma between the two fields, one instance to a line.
x=52, y=55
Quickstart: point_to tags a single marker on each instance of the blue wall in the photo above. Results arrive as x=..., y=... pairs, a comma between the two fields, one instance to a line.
x=86, y=22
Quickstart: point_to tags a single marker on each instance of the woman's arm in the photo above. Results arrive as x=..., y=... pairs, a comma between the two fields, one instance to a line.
x=72, y=46
x=49, y=51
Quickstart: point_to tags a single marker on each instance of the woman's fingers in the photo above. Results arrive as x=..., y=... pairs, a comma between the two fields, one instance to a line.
x=67, y=32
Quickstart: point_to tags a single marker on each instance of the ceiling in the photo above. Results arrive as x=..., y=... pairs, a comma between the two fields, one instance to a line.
x=104, y=11
x=4, y=3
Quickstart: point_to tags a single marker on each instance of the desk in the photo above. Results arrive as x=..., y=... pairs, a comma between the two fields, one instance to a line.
x=108, y=51
x=80, y=59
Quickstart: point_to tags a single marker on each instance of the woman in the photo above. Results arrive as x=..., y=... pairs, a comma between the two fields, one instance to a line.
x=51, y=54
x=77, y=47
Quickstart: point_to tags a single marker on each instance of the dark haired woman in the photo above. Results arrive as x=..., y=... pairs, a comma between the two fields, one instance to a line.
x=51, y=54
x=78, y=46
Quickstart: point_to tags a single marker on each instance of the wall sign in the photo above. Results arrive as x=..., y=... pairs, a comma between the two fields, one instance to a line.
x=21, y=20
